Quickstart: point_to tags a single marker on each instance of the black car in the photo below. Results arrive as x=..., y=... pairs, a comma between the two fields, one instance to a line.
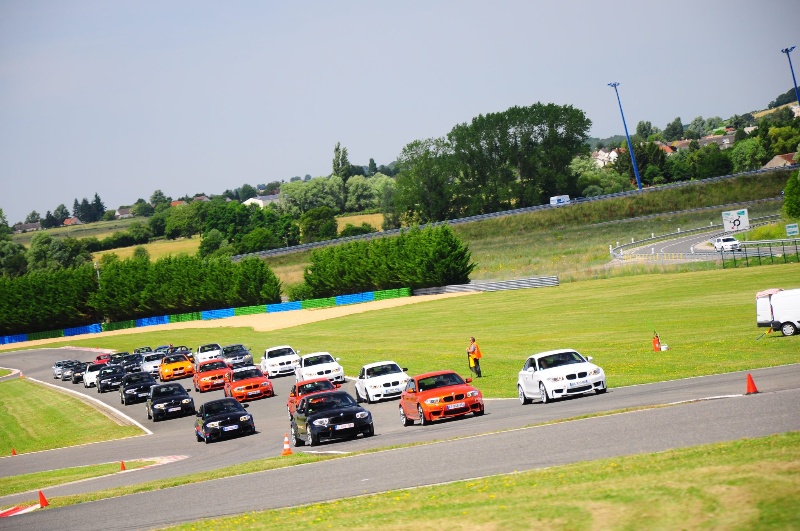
x=77, y=372
x=142, y=350
x=330, y=415
x=135, y=387
x=222, y=418
x=116, y=359
x=236, y=354
x=169, y=400
x=110, y=378
x=132, y=362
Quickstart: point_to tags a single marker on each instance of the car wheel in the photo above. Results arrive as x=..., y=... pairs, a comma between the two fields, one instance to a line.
x=543, y=394
x=404, y=420
x=358, y=396
x=524, y=400
x=601, y=390
x=196, y=434
x=478, y=413
x=370, y=432
x=122, y=400
x=149, y=415
x=313, y=440
x=421, y=414
x=788, y=329
x=370, y=400
x=296, y=441
x=289, y=412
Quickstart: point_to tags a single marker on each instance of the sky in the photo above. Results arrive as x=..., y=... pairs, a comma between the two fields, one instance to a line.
x=126, y=97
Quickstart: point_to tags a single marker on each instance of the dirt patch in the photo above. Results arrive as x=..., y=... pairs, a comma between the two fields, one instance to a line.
x=265, y=322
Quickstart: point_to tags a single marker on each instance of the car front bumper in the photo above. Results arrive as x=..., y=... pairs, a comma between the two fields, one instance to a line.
x=454, y=409
x=576, y=387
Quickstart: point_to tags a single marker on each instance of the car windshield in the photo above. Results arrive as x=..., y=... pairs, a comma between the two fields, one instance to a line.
x=95, y=367
x=176, y=358
x=168, y=390
x=318, y=360
x=221, y=406
x=440, y=380
x=132, y=358
x=330, y=401
x=153, y=357
x=729, y=239
x=382, y=370
x=313, y=387
x=139, y=378
x=234, y=350
x=249, y=372
x=115, y=369
x=279, y=353
x=206, y=348
x=557, y=360
x=213, y=366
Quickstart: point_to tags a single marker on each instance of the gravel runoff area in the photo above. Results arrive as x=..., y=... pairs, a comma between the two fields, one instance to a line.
x=265, y=322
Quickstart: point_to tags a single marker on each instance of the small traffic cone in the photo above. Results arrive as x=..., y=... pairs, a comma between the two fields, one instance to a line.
x=122, y=466
x=42, y=500
x=21, y=375
x=13, y=451
x=287, y=450
x=751, y=385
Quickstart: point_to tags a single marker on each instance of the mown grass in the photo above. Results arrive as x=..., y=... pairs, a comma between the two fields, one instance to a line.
x=34, y=417
x=4, y=372
x=99, y=230
x=158, y=249
x=746, y=484
x=41, y=480
x=707, y=318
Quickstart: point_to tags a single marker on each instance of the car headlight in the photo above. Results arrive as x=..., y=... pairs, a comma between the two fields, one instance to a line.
x=265, y=384
x=321, y=422
x=214, y=424
x=374, y=386
x=160, y=406
x=186, y=401
x=167, y=370
x=244, y=418
x=597, y=370
x=556, y=379
x=362, y=415
x=474, y=392
x=238, y=389
x=432, y=401
x=130, y=392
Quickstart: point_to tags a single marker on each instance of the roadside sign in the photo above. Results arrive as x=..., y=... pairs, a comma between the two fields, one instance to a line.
x=735, y=220
x=792, y=230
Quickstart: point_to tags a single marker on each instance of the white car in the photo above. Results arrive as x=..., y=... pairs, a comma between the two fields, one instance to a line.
x=377, y=381
x=726, y=243
x=90, y=376
x=558, y=373
x=151, y=361
x=319, y=365
x=207, y=352
x=278, y=361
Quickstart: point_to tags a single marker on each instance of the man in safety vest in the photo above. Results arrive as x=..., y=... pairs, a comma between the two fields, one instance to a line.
x=474, y=355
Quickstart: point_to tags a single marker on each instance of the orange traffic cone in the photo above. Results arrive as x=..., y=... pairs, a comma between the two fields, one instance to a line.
x=287, y=450
x=21, y=375
x=13, y=451
x=122, y=466
x=751, y=385
x=42, y=500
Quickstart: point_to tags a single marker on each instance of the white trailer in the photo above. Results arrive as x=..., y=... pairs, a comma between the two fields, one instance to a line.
x=779, y=309
x=558, y=200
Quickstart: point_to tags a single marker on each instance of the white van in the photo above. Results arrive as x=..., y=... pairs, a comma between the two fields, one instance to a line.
x=558, y=200
x=779, y=309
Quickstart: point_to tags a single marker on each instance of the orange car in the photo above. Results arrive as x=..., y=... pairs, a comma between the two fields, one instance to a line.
x=247, y=383
x=437, y=395
x=210, y=375
x=307, y=387
x=174, y=366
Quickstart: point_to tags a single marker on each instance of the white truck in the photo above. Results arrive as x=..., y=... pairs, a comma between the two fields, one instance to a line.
x=558, y=200
x=779, y=309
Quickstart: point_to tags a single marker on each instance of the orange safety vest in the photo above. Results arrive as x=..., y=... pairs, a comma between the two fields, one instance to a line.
x=477, y=354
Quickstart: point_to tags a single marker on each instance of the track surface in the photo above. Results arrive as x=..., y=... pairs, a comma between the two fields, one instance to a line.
x=773, y=410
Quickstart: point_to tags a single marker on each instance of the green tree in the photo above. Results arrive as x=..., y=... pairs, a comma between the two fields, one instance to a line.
x=341, y=164
x=246, y=192
x=360, y=195
x=33, y=217
x=212, y=240
x=748, y=155
x=49, y=221
x=791, y=196
x=13, y=260
x=50, y=254
x=60, y=213
x=158, y=197
x=783, y=139
x=318, y=224
x=674, y=130
x=372, y=168
x=5, y=230
x=258, y=239
x=98, y=208
x=142, y=209
x=353, y=230
x=141, y=253
x=182, y=221
x=644, y=130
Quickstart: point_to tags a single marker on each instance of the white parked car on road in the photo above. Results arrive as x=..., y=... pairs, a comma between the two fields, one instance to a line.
x=90, y=376
x=207, y=352
x=377, y=381
x=319, y=365
x=726, y=243
x=558, y=373
x=151, y=361
x=278, y=361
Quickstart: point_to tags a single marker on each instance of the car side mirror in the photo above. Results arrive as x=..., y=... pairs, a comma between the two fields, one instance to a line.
x=589, y=358
x=337, y=386
x=292, y=394
x=337, y=359
x=188, y=390
x=468, y=380
x=531, y=369
x=245, y=406
x=404, y=369
x=199, y=414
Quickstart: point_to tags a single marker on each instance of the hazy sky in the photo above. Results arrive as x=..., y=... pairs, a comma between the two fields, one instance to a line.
x=121, y=98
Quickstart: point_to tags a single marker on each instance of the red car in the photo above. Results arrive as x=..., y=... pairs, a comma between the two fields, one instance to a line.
x=438, y=395
x=102, y=358
x=210, y=375
x=307, y=387
x=247, y=383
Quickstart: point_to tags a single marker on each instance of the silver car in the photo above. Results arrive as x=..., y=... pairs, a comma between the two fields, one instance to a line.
x=151, y=361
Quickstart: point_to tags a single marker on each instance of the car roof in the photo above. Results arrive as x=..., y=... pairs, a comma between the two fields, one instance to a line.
x=279, y=346
x=549, y=352
x=379, y=364
x=218, y=400
x=317, y=354
x=434, y=373
x=311, y=380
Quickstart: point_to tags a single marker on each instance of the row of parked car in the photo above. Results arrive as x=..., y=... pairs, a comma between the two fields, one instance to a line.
x=317, y=407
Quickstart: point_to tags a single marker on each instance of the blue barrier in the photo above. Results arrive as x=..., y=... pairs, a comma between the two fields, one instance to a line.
x=16, y=338
x=217, y=314
x=355, y=298
x=152, y=321
x=79, y=330
x=284, y=307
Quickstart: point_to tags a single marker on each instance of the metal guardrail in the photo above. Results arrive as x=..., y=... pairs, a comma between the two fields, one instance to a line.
x=394, y=232
x=500, y=285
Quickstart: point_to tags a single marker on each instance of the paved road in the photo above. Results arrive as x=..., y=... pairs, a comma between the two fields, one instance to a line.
x=772, y=411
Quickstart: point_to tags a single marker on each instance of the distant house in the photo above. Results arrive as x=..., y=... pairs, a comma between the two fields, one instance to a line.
x=604, y=157
x=262, y=200
x=27, y=227
x=779, y=161
x=723, y=141
x=201, y=198
x=177, y=203
x=123, y=213
x=669, y=150
x=71, y=222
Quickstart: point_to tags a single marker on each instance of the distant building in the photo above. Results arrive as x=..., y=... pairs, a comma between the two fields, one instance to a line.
x=604, y=157
x=27, y=227
x=123, y=213
x=71, y=222
x=779, y=161
x=177, y=203
x=263, y=200
x=200, y=198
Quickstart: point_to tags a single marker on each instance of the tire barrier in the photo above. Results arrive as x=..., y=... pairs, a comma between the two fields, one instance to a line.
x=222, y=313
x=522, y=283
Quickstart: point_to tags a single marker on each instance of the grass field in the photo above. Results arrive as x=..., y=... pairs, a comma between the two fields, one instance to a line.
x=41, y=480
x=99, y=230
x=746, y=484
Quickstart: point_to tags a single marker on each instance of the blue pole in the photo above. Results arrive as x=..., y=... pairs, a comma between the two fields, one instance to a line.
x=627, y=137
x=787, y=51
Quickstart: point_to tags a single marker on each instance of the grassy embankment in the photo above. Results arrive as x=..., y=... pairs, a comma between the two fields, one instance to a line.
x=41, y=480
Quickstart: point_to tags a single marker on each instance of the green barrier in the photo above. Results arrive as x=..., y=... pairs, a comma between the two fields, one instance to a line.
x=185, y=317
x=250, y=310
x=392, y=294
x=318, y=303
x=120, y=325
x=45, y=335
